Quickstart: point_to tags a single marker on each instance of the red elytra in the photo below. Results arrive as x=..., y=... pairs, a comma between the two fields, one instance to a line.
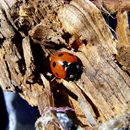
x=57, y=63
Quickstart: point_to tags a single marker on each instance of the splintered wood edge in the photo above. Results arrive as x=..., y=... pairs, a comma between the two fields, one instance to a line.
x=72, y=18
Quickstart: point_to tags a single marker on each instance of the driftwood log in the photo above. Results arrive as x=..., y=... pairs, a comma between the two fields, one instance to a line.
x=32, y=30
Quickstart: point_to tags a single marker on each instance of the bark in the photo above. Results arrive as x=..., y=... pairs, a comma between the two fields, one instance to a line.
x=31, y=31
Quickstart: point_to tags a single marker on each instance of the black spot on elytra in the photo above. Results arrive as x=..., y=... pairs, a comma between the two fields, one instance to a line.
x=61, y=54
x=54, y=64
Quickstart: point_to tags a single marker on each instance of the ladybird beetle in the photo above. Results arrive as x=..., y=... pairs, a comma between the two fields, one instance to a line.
x=66, y=65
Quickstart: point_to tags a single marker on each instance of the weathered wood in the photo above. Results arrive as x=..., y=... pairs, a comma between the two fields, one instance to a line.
x=102, y=80
x=112, y=6
x=36, y=30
